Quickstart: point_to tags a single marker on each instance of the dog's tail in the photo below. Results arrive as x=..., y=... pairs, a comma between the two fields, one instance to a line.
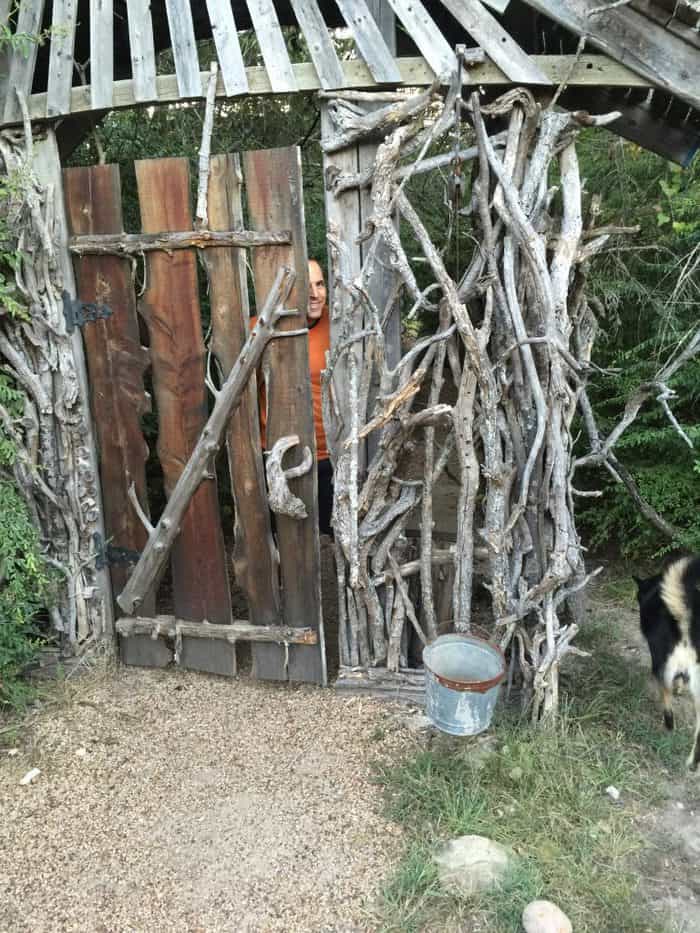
x=680, y=591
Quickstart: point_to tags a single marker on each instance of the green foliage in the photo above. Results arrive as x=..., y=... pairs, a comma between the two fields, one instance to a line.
x=648, y=290
x=24, y=585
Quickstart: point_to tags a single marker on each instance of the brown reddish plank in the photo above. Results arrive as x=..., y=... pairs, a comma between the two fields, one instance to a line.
x=275, y=202
x=116, y=362
x=170, y=306
x=254, y=557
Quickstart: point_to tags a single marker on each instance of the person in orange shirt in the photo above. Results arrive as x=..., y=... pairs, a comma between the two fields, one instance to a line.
x=318, y=322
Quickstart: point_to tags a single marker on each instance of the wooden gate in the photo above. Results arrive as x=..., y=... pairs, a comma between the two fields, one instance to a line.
x=279, y=575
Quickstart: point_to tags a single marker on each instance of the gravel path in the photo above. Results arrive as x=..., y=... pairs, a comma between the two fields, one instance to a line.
x=171, y=801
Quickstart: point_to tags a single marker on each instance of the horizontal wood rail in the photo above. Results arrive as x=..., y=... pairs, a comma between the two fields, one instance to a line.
x=130, y=244
x=170, y=627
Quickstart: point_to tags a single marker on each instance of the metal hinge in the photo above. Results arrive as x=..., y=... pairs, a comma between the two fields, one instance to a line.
x=112, y=555
x=79, y=313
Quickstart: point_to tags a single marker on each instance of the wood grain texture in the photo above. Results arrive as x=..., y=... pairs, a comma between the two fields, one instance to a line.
x=228, y=48
x=275, y=200
x=171, y=309
x=254, y=558
x=116, y=361
x=61, y=57
x=272, y=45
x=318, y=40
x=23, y=59
x=184, y=47
x=433, y=46
x=143, y=57
x=369, y=41
x=101, y=53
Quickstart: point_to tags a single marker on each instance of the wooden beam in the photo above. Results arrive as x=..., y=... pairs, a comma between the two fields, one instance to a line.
x=101, y=52
x=61, y=57
x=143, y=56
x=184, y=46
x=170, y=627
x=131, y=244
x=272, y=45
x=228, y=47
x=634, y=40
x=589, y=71
x=23, y=59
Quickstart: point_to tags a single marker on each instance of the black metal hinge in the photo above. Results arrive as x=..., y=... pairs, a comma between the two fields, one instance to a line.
x=112, y=555
x=79, y=313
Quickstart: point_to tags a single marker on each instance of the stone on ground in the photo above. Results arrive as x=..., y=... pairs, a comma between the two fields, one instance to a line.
x=545, y=917
x=472, y=863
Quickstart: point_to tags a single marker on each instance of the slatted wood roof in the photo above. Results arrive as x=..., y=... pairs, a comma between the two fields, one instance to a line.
x=102, y=54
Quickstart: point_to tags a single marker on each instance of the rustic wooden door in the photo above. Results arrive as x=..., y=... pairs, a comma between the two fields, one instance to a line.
x=277, y=577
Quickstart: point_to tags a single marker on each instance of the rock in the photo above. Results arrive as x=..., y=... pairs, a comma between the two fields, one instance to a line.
x=545, y=917
x=516, y=774
x=417, y=722
x=472, y=863
x=30, y=776
x=613, y=793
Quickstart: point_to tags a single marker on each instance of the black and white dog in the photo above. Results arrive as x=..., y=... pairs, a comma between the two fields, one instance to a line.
x=669, y=613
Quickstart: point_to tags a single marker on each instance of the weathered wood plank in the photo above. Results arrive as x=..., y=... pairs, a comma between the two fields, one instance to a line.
x=61, y=57
x=275, y=199
x=495, y=41
x=369, y=41
x=116, y=361
x=101, y=53
x=184, y=48
x=143, y=56
x=321, y=47
x=254, y=556
x=228, y=48
x=171, y=309
x=239, y=630
x=385, y=19
x=23, y=59
x=635, y=41
x=133, y=244
x=433, y=46
x=272, y=46
x=589, y=71
x=4, y=52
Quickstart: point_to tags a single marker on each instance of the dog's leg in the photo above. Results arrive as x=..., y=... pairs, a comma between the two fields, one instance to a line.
x=666, y=700
x=694, y=757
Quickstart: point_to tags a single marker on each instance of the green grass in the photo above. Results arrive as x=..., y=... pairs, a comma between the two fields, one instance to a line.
x=542, y=793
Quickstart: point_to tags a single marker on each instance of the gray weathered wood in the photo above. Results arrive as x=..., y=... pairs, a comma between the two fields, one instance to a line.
x=228, y=48
x=588, y=71
x=272, y=45
x=199, y=465
x=239, y=630
x=184, y=47
x=101, y=53
x=635, y=41
x=496, y=42
x=21, y=70
x=132, y=244
x=385, y=19
x=4, y=53
x=61, y=57
x=320, y=45
x=431, y=42
x=143, y=58
x=369, y=41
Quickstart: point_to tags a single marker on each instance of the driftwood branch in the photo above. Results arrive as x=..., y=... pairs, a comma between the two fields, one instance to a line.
x=281, y=499
x=132, y=244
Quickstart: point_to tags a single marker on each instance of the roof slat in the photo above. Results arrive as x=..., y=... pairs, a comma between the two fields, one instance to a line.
x=21, y=70
x=101, y=53
x=143, y=56
x=369, y=41
x=500, y=47
x=321, y=47
x=184, y=47
x=272, y=45
x=431, y=42
x=228, y=48
x=61, y=57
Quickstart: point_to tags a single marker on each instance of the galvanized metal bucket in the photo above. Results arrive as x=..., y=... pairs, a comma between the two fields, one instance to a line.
x=463, y=674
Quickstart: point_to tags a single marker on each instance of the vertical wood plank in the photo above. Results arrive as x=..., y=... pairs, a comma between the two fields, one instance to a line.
x=61, y=57
x=275, y=201
x=21, y=70
x=116, y=362
x=101, y=53
x=321, y=47
x=369, y=41
x=184, y=47
x=254, y=559
x=228, y=48
x=143, y=56
x=4, y=53
x=171, y=309
x=274, y=51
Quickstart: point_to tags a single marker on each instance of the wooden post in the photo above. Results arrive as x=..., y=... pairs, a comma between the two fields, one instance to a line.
x=116, y=361
x=275, y=201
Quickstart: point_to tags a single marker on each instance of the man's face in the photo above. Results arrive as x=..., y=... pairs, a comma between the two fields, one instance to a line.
x=317, y=291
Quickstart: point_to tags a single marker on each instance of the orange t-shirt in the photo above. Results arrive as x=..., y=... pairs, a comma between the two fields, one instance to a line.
x=319, y=338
